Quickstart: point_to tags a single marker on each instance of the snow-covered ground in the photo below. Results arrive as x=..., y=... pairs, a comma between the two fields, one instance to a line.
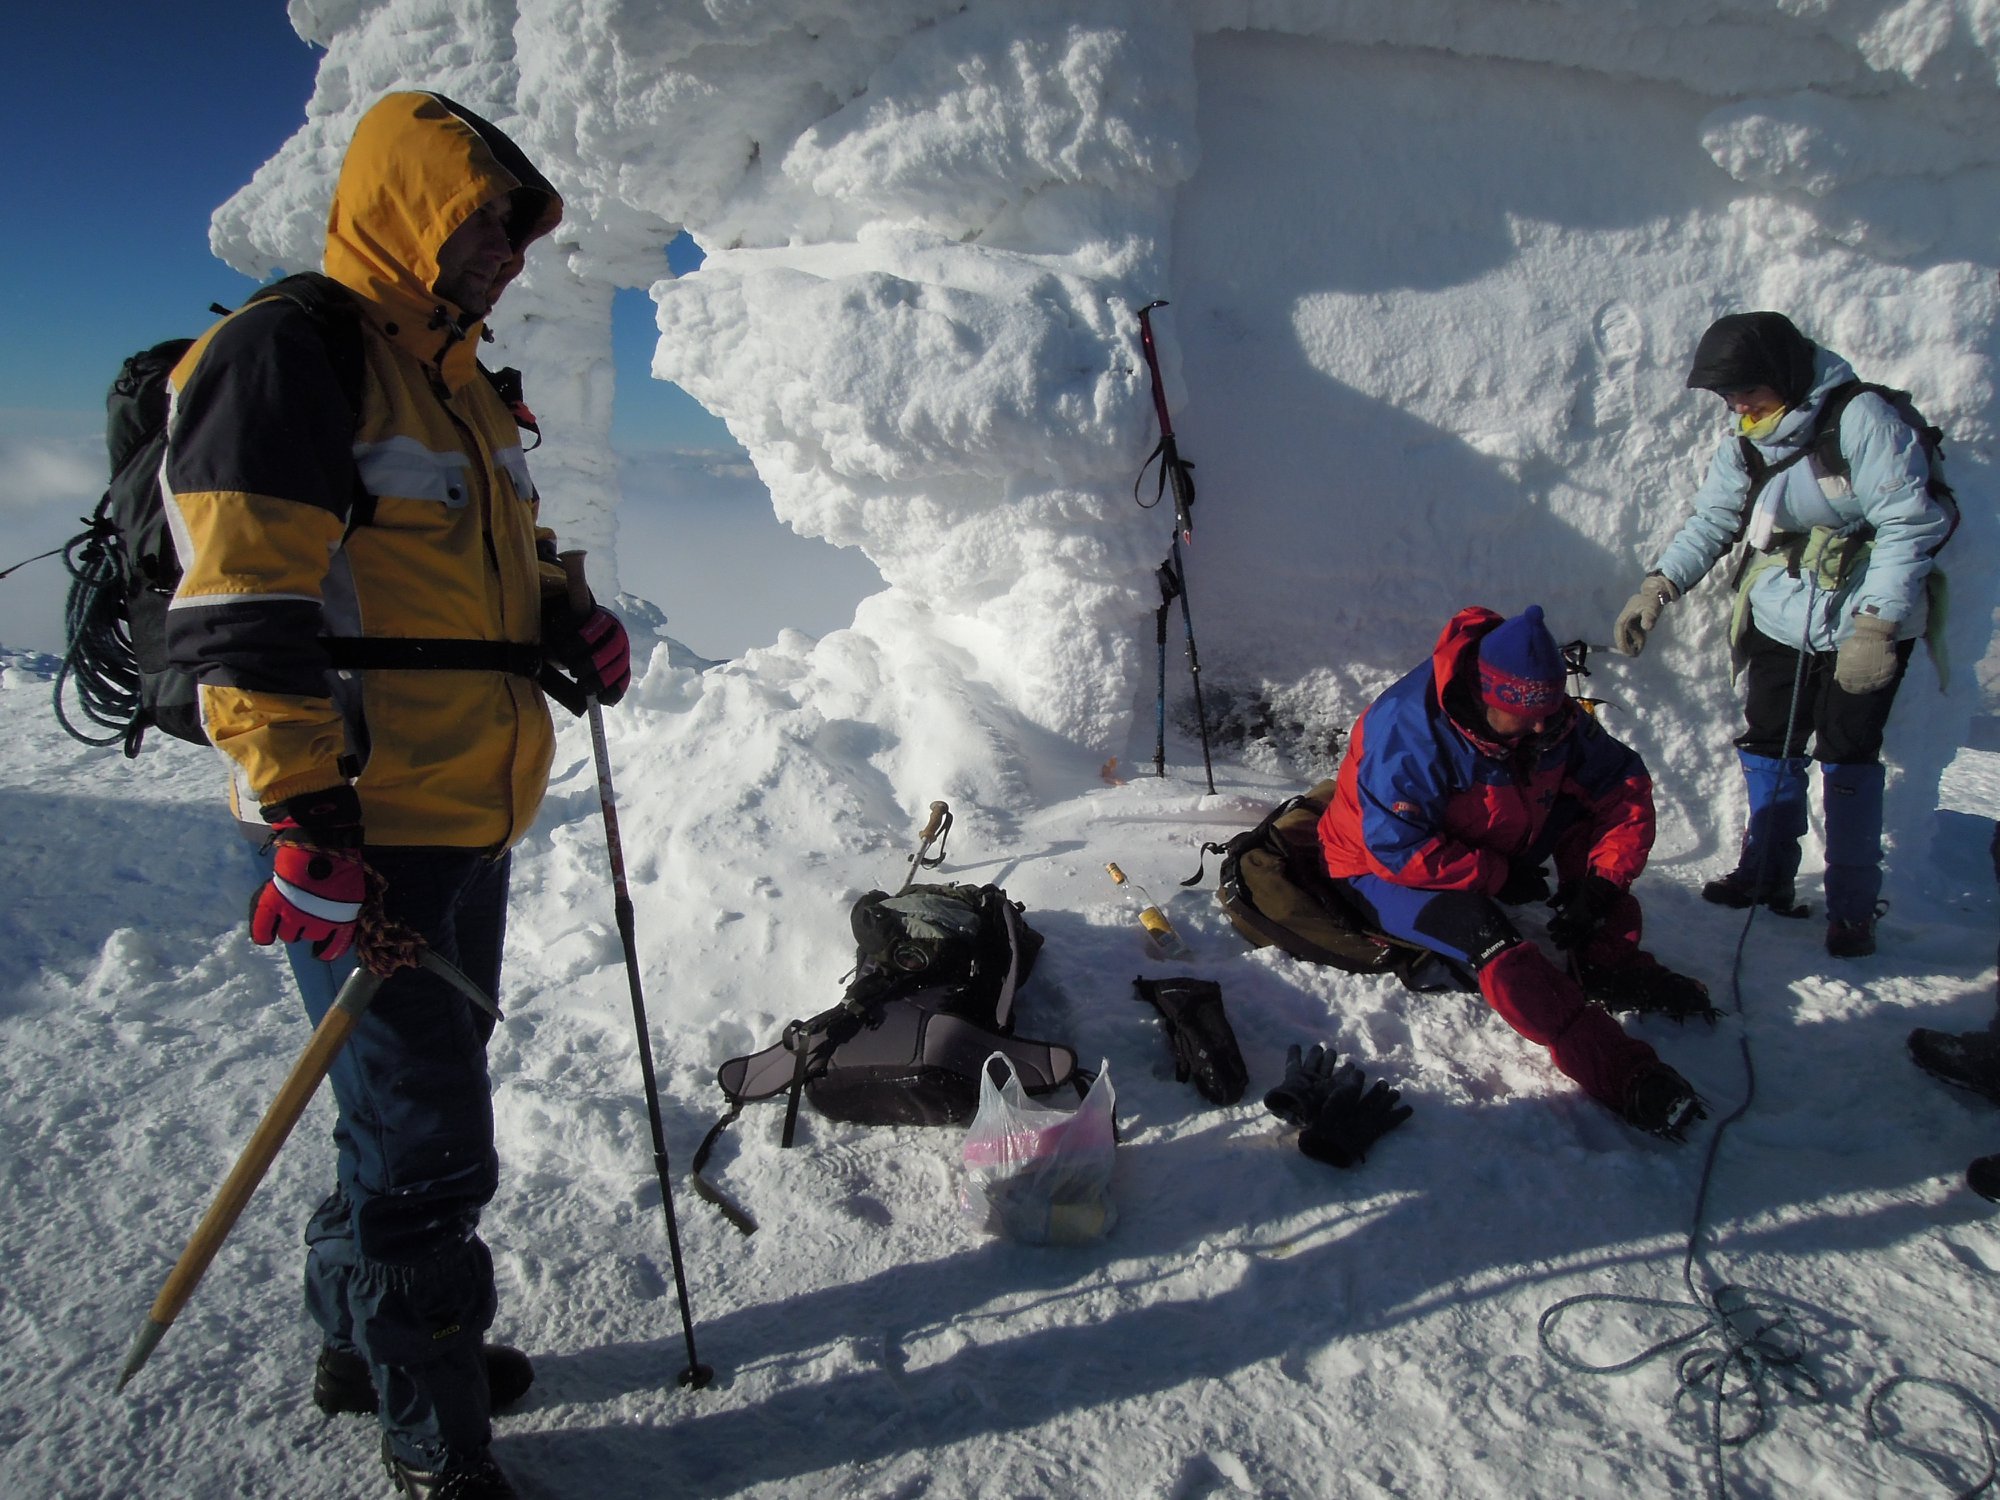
x=1257, y=1323
x=1434, y=270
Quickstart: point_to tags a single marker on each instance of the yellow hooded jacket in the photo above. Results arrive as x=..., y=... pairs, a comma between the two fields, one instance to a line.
x=265, y=459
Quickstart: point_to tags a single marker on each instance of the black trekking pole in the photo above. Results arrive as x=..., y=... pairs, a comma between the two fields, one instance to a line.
x=1179, y=473
x=697, y=1374
x=1167, y=592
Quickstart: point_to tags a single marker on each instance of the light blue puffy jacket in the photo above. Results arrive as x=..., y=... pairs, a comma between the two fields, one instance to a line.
x=1889, y=472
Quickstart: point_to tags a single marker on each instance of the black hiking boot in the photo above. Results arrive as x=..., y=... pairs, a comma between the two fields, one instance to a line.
x=1853, y=937
x=1740, y=890
x=1662, y=1103
x=1645, y=986
x=1969, y=1060
x=1983, y=1177
x=342, y=1383
x=471, y=1479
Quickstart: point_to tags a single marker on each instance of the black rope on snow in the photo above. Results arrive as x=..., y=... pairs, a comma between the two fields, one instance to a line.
x=1937, y=1463
x=1743, y=1342
x=1740, y=1342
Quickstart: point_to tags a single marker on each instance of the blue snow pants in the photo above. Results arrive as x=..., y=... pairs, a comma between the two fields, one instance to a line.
x=395, y=1268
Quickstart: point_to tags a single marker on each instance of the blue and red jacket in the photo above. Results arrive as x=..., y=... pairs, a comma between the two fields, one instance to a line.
x=1429, y=800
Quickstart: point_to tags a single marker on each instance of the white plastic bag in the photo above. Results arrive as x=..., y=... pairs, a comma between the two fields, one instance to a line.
x=1036, y=1174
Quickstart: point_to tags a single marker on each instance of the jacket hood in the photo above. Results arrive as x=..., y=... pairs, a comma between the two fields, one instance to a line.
x=419, y=166
x=1757, y=348
x=1456, y=656
x=1455, y=679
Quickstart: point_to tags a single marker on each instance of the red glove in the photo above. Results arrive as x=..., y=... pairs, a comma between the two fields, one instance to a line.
x=595, y=649
x=318, y=882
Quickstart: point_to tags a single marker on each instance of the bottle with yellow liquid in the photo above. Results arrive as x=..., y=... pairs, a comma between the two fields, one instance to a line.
x=1161, y=939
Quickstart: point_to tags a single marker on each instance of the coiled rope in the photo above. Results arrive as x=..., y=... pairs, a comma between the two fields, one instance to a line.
x=99, y=660
x=1742, y=1343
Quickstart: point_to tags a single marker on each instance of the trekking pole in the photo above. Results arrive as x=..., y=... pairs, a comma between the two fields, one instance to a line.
x=354, y=998
x=1178, y=473
x=1174, y=470
x=696, y=1375
x=1194, y=659
x=1167, y=592
x=938, y=828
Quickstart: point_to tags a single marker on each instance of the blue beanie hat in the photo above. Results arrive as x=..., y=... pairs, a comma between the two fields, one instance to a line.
x=1521, y=667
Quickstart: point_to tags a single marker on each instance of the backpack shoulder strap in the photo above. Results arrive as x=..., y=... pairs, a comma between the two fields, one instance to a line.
x=333, y=309
x=1824, y=442
x=512, y=391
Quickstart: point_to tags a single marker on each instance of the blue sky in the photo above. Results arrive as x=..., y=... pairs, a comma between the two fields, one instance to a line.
x=130, y=123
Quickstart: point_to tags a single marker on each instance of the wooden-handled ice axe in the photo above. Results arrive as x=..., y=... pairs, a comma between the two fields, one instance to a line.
x=697, y=1374
x=297, y=1090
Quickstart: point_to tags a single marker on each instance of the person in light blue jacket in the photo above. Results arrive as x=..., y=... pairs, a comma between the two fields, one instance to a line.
x=1832, y=591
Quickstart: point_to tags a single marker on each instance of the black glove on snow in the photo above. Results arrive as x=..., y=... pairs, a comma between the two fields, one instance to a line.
x=1204, y=1045
x=1350, y=1121
x=1308, y=1081
x=1525, y=882
x=1584, y=908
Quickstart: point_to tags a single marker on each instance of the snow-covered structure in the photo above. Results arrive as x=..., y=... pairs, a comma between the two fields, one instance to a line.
x=1434, y=271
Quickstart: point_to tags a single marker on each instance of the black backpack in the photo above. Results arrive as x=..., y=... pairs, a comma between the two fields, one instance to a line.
x=937, y=968
x=1822, y=446
x=124, y=569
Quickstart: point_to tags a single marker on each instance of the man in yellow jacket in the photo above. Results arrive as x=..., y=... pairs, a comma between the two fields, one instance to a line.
x=367, y=605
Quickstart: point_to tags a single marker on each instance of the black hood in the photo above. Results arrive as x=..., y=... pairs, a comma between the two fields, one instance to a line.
x=1758, y=348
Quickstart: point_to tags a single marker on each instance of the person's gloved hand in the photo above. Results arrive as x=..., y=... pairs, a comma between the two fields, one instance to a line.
x=1641, y=613
x=1584, y=908
x=1204, y=1044
x=1309, y=1078
x=318, y=882
x=1350, y=1121
x=594, y=649
x=1866, y=660
x=1527, y=880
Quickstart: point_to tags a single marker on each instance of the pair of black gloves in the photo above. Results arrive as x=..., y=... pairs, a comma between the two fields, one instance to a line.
x=1339, y=1115
x=1581, y=905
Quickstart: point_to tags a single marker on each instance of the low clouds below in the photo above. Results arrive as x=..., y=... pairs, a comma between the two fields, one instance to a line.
x=697, y=537
x=54, y=468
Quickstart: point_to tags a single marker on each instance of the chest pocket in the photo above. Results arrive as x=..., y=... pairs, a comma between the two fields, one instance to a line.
x=404, y=468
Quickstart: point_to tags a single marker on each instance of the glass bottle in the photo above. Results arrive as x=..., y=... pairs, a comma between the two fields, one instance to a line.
x=1161, y=939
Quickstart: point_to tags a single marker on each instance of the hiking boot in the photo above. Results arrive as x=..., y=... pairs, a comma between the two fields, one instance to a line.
x=1740, y=890
x=1853, y=937
x=1983, y=1177
x=1645, y=986
x=470, y=1479
x=1661, y=1102
x=1969, y=1060
x=342, y=1382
